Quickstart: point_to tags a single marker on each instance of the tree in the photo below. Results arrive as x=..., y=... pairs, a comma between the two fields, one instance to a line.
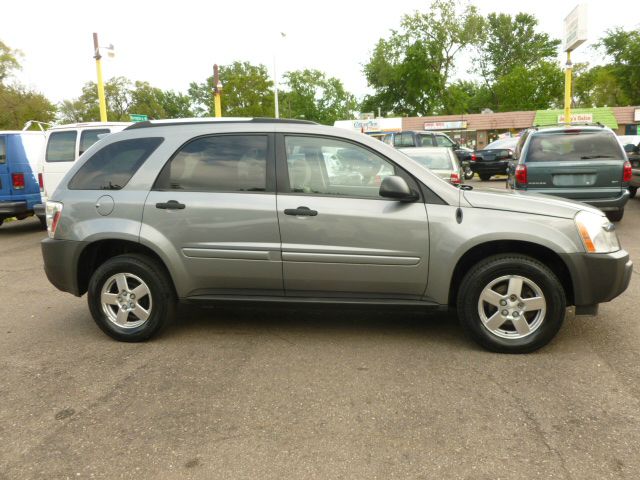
x=247, y=92
x=624, y=49
x=19, y=105
x=536, y=87
x=157, y=103
x=8, y=61
x=410, y=70
x=312, y=96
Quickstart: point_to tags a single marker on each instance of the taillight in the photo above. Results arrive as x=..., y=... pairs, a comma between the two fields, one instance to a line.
x=41, y=182
x=18, y=181
x=473, y=157
x=521, y=174
x=627, y=173
x=455, y=178
x=53, y=211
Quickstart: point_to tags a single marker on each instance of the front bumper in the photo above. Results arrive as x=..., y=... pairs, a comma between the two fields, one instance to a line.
x=61, y=263
x=598, y=277
x=13, y=208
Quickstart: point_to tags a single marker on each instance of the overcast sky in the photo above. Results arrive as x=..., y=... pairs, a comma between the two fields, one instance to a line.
x=170, y=44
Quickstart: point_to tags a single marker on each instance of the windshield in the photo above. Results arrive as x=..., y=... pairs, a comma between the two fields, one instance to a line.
x=577, y=145
x=503, y=143
x=434, y=159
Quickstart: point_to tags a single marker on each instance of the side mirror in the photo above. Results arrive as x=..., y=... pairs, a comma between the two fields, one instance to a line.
x=396, y=187
x=455, y=146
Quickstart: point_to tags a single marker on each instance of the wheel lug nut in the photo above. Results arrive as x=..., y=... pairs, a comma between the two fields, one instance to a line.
x=521, y=305
x=512, y=298
x=503, y=303
x=516, y=314
x=132, y=296
x=505, y=313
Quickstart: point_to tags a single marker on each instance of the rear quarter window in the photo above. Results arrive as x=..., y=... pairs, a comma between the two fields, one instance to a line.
x=89, y=137
x=579, y=146
x=111, y=167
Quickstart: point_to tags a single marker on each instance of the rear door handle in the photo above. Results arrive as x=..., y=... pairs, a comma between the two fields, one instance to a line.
x=301, y=212
x=171, y=205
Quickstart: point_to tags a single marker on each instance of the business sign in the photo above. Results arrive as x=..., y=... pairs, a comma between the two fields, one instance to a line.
x=575, y=28
x=371, y=125
x=445, y=125
x=636, y=115
x=577, y=117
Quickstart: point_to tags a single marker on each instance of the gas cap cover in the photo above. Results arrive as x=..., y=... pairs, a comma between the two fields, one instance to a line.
x=105, y=205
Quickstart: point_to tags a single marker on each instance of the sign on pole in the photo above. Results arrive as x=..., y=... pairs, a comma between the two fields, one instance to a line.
x=575, y=28
x=137, y=117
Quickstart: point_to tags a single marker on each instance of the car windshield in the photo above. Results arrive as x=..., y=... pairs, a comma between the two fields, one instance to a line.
x=503, y=143
x=434, y=159
x=573, y=146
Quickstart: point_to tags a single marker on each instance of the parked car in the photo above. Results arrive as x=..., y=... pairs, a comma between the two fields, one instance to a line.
x=64, y=145
x=212, y=211
x=631, y=145
x=440, y=160
x=582, y=163
x=20, y=152
x=494, y=158
x=411, y=138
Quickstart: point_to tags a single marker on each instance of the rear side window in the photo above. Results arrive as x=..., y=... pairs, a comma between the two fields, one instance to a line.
x=581, y=145
x=111, y=167
x=3, y=150
x=61, y=147
x=89, y=137
x=443, y=141
x=221, y=163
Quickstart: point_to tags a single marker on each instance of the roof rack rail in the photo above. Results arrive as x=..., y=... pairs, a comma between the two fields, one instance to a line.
x=212, y=121
x=562, y=124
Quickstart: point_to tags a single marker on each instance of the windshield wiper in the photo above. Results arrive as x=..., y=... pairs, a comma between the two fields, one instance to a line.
x=589, y=157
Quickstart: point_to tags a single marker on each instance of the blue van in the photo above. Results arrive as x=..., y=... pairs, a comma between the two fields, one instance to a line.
x=20, y=153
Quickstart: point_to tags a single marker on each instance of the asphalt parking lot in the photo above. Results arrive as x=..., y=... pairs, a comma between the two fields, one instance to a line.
x=255, y=393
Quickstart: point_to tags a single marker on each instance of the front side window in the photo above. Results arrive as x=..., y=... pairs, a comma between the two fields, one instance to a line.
x=565, y=146
x=221, y=163
x=3, y=150
x=61, y=147
x=325, y=166
x=89, y=137
x=111, y=167
x=442, y=141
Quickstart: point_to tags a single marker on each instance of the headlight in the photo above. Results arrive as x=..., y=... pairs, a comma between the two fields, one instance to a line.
x=597, y=233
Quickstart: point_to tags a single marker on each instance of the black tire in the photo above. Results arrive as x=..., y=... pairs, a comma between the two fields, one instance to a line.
x=633, y=191
x=616, y=215
x=484, y=176
x=495, y=267
x=161, y=295
x=468, y=173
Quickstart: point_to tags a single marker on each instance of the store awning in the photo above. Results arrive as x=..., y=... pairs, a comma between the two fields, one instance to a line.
x=603, y=115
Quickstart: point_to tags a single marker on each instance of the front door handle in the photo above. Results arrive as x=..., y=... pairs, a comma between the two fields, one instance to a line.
x=301, y=212
x=171, y=205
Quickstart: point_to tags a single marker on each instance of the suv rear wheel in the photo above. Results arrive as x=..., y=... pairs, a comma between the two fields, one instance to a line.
x=616, y=215
x=511, y=303
x=131, y=297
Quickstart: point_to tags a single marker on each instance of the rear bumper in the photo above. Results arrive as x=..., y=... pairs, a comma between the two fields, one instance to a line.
x=39, y=209
x=489, y=167
x=13, y=208
x=604, y=204
x=598, y=277
x=61, y=263
x=635, y=180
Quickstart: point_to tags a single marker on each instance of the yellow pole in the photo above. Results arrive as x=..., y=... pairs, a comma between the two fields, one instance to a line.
x=217, y=93
x=567, y=89
x=218, y=103
x=101, y=98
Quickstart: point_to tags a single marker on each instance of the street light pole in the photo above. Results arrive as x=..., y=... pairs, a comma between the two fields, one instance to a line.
x=567, y=89
x=217, y=92
x=101, y=97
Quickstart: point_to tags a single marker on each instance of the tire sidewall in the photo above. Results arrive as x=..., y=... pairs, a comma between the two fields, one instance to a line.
x=161, y=300
x=492, y=269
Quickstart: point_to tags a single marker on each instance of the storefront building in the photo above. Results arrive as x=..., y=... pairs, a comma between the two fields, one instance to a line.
x=477, y=130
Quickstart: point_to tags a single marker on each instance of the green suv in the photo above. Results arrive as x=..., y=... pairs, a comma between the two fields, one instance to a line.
x=582, y=163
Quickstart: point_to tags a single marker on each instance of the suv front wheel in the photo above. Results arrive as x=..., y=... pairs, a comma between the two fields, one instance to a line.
x=131, y=297
x=511, y=303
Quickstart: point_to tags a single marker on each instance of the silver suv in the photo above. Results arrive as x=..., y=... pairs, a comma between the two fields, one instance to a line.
x=260, y=210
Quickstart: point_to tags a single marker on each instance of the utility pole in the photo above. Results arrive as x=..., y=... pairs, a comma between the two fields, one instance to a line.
x=567, y=88
x=101, y=98
x=275, y=86
x=217, y=92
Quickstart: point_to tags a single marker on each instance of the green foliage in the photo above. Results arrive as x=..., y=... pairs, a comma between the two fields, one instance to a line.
x=247, y=91
x=410, y=69
x=18, y=105
x=310, y=95
x=8, y=61
x=536, y=87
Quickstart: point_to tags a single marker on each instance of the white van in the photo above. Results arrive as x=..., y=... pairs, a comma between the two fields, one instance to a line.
x=65, y=143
